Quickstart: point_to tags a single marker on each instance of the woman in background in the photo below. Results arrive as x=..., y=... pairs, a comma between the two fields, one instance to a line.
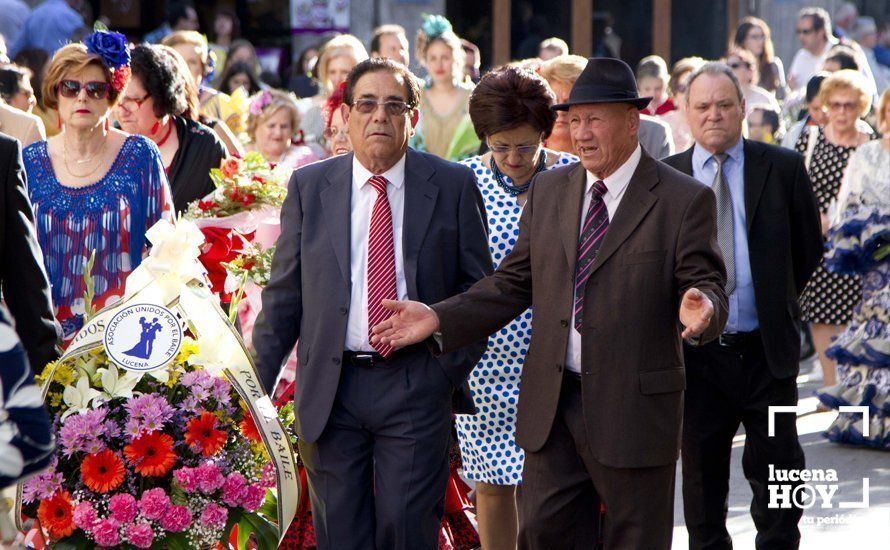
x=753, y=34
x=273, y=128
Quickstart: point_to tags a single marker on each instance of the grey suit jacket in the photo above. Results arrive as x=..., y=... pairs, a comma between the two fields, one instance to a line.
x=655, y=137
x=445, y=249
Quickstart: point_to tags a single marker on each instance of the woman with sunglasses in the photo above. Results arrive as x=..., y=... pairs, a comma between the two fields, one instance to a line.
x=510, y=110
x=828, y=299
x=95, y=190
x=155, y=104
x=744, y=67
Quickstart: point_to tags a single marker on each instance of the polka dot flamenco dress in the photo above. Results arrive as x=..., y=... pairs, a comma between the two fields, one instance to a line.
x=487, y=439
x=829, y=297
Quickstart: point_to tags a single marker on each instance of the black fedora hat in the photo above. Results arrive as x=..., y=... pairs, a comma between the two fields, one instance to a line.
x=605, y=80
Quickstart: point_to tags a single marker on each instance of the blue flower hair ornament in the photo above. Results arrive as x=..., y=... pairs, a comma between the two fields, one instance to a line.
x=113, y=50
x=434, y=26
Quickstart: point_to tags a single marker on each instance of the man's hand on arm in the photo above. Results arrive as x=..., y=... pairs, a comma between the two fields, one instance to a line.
x=411, y=322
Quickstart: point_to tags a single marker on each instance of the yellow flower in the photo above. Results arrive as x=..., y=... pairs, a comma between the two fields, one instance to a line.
x=55, y=399
x=189, y=348
x=175, y=373
x=44, y=374
x=64, y=374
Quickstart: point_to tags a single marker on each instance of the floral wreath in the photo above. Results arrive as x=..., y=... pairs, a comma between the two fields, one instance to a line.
x=260, y=102
x=112, y=49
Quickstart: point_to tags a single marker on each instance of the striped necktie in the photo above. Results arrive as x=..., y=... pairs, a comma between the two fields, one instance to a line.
x=381, y=261
x=596, y=222
x=725, y=226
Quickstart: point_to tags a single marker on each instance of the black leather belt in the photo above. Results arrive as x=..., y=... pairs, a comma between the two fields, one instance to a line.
x=571, y=377
x=737, y=339
x=365, y=359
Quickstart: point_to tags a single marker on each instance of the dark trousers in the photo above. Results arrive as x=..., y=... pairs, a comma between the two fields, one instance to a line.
x=377, y=474
x=727, y=386
x=563, y=486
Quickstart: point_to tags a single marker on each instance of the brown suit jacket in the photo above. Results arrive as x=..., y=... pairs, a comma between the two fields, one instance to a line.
x=661, y=241
x=25, y=127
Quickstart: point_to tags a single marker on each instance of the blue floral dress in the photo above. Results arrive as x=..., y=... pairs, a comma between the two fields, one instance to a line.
x=859, y=242
x=487, y=439
x=109, y=217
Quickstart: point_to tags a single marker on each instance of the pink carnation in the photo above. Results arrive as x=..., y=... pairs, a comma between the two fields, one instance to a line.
x=209, y=478
x=214, y=516
x=234, y=489
x=85, y=516
x=177, y=519
x=122, y=507
x=154, y=503
x=269, y=477
x=254, y=499
x=187, y=478
x=140, y=535
x=106, y=532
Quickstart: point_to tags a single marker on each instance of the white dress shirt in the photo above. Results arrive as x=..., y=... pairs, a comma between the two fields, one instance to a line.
x=362, y=205
x=616, y=185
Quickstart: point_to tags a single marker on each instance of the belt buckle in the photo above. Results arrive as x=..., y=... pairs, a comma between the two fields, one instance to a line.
x=363, y=359
x=722, y=342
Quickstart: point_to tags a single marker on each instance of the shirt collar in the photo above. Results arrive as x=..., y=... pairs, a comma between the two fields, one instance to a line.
x=395, y=175
x=618, y=180
x=700, y=155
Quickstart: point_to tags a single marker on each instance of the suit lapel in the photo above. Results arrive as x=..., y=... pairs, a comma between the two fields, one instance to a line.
x=755, y=173
x=336, y=200
x=570, y=204
x=420, y=203
x=634, y=206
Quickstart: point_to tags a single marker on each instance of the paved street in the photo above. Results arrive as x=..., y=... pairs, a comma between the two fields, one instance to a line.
x=847, y=529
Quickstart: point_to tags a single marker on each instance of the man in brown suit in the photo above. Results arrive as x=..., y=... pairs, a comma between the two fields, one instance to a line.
x=608, y=252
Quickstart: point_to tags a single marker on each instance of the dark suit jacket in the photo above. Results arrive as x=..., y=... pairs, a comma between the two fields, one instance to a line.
x=445, y=251
x=23, y=279
x=784, y=244
x=661, y=241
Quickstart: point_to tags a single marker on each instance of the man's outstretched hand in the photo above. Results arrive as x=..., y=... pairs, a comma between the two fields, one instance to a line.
x=696, y=311
x=411, y=322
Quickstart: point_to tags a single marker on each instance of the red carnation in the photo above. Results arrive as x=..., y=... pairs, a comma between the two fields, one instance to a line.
x=121, y=76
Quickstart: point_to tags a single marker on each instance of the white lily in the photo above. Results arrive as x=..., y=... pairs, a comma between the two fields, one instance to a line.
x=116, y=385
x=79, y=397
x=214, y=353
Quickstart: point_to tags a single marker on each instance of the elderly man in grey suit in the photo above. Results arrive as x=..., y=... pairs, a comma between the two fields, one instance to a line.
x=384, y=223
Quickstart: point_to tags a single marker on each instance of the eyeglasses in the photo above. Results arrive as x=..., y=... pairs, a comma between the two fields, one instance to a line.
x=523, y=150
x=393, y=108
x=95, y=89
x=739, y=65
x=839, y=106
x=805, y=31
x=127, y=103
x=331, y=134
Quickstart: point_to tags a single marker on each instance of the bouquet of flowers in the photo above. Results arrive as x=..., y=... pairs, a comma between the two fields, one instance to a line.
x=165, y=459
x=242, y=185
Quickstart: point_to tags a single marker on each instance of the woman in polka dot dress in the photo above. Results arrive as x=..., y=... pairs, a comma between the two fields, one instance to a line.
x=828, y=300
x=510, y=110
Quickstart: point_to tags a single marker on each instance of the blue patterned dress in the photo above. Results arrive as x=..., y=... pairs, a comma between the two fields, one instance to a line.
x=487, y=439
x=859, y=244
x=109, y=216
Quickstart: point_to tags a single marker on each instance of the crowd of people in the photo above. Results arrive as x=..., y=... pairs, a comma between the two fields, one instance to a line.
x=419, y=271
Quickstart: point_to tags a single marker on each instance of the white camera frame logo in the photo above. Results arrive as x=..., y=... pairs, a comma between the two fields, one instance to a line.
x=797, y=489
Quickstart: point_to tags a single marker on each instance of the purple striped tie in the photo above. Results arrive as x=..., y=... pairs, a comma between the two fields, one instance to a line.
x=596, y=222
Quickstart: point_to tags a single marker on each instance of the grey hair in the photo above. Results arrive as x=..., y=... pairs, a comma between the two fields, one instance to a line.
x=715, y=68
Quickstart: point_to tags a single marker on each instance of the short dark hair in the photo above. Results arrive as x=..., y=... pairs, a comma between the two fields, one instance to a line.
x=770, y=115
x=378, y=64
x=11, y=81
x=177, y=11
x=384, y=30
x=509, y=97
x=813, y=86
x=819, y=17
x=844, y=56
x=162, y=79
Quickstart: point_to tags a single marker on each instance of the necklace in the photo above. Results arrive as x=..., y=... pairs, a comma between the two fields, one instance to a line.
x=97, y=154
x=515, y=190
x=167, y=135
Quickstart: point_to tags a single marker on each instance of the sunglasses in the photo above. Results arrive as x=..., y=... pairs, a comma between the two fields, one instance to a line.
x=94, y=89
x=393, y=108
x=334, y=133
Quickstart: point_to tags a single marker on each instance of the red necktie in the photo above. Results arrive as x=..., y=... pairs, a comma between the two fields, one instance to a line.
x=596, y=223
x=381, y=261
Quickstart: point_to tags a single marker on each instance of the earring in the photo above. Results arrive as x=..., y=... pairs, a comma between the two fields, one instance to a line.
x=59, y=125
x=154, y=129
